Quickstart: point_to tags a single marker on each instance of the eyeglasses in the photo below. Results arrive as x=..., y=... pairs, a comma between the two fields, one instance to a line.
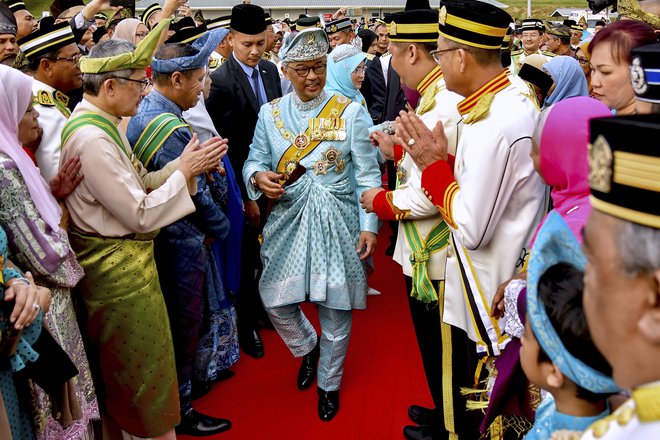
x=144, y=83
x=582, y=60
x=360, y=70
x=74, y=59
x=141, y=34
x=304, y=71
x=437, y=53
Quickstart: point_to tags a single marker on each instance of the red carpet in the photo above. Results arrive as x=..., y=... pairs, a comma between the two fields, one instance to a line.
x=383, y=375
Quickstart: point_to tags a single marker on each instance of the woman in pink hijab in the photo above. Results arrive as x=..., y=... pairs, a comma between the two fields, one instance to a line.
x=31, y=217
x=131, y=30
x=560, y=156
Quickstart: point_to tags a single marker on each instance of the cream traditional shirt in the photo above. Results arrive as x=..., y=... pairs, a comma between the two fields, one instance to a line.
x=112, y=199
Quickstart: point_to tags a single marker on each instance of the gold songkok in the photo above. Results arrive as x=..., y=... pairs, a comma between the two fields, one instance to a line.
x=140, y=58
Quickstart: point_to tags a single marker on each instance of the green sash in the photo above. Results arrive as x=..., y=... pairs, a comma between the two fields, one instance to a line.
x=155, y=134
x=98, y=121
x=421, y=250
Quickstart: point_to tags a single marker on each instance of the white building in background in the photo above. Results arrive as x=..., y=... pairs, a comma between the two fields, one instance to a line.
x=281, y=9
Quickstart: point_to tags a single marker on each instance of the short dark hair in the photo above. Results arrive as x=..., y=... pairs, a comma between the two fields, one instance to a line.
x=600, y=23
x=560, y=291
x=167, y=52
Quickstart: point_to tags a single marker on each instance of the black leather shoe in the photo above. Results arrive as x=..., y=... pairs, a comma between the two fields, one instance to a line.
x=308, y=366
x=328, y=404
x=200, y=425
x=421, y=415
x=251, y=344
x=417, y=433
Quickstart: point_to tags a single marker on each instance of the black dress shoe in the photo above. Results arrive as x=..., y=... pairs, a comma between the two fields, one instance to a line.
x=421, y=415
x=417, y=433
x=200, y=425
x=328, y=404
x=308, y=366
x=251, y=344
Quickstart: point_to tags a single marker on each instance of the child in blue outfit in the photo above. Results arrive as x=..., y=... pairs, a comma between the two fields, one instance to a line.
x=557, y=352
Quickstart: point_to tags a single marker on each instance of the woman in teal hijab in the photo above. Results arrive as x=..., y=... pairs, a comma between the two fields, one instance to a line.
x=346, y=68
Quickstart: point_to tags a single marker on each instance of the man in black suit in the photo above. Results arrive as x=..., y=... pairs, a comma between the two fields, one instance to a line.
x=238, y=90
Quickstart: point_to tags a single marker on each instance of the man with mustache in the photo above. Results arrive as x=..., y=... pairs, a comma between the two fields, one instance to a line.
x=316, y=145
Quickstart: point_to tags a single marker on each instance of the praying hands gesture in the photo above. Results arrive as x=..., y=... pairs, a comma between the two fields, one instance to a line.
x=67, y=179
x=423, y=145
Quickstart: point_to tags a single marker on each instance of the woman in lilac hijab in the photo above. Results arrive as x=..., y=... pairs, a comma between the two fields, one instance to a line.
x=560, y=156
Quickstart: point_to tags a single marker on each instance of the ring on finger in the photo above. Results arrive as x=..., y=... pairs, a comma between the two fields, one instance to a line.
x=411, y=142
x=36, y=306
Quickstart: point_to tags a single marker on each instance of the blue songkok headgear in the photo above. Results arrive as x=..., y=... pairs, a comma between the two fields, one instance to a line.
x=554, y=244
x=204, y=44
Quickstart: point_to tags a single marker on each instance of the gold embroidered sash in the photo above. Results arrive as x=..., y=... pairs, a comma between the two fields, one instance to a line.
x=304, y=143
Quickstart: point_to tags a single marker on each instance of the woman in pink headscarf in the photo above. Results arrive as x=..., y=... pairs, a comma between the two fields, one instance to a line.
x=31, y=217
x=560, y=156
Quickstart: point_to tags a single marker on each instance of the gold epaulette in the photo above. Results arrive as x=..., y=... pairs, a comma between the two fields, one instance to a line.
x=370, y=56
x=44, y=97
x=480, y=109
x=515, y=53
x=266, y=56
x=548, y=54
x=62, y=98
x=214, y=63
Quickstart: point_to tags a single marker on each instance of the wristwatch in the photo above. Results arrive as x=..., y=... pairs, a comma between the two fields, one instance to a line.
x=253, y=181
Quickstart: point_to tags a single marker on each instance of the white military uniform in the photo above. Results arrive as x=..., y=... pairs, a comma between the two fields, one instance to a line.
x=518, y=56
x=436, y=104
x=492, y=204
x=637, y=418
x=53, y=114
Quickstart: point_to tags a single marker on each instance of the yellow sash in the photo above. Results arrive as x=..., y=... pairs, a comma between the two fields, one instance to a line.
x=303, y=144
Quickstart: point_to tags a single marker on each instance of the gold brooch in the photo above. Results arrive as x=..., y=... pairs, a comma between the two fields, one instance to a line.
x=333, y=28
x=600, y=165
x=331, y=155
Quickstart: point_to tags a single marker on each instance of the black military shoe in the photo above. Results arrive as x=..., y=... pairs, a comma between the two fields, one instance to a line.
x=328, y=404
x=421, y=415
x=308, y=366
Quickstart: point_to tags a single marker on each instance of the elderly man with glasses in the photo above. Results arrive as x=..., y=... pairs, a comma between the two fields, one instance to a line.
x=115, y=213
x=314, y=144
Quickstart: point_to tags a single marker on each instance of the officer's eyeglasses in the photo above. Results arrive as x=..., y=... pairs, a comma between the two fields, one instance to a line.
x=437, y=53
x=74, y=59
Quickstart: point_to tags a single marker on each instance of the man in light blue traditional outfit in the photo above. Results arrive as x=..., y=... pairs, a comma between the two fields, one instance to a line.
x=316, y=145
